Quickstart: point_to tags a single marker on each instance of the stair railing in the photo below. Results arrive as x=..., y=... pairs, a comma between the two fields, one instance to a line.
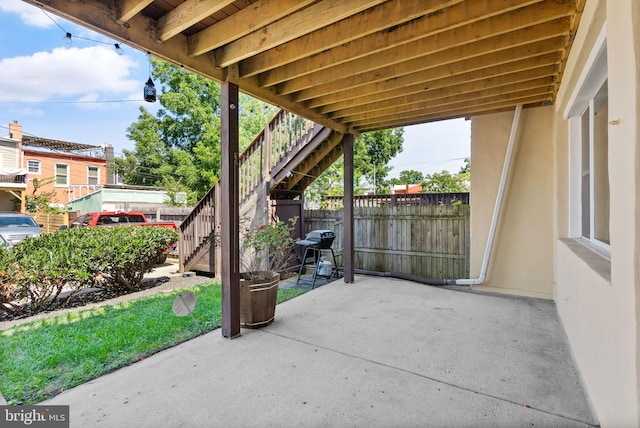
x=284, y=133
x=198, y=228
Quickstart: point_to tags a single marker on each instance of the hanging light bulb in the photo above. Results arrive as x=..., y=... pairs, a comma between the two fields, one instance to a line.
x=118, y=49
x=67, y=39
x=149, y=87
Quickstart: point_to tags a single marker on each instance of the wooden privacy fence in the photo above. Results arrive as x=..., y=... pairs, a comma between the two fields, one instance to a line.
x=401, y=199
x=51, y=222
x=428, y=241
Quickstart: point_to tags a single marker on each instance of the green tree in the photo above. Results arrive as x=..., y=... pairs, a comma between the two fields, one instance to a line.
x=466, y=168
x=179, y=147
x=408, y=177
x=330, y=182
x=445, y=182
x=254, y=116
x=372, y=153
x=39, y=200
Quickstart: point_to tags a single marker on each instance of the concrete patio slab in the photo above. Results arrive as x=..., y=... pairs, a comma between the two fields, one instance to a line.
x=380, y=352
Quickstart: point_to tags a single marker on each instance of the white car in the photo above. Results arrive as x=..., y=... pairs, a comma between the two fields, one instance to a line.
x=14, y=227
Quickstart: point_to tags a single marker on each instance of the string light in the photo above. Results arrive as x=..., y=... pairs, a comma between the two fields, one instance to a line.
x=68, y=37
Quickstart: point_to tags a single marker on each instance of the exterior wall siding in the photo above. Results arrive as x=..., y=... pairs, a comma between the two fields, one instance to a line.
x=77, y=172
x=9, y=152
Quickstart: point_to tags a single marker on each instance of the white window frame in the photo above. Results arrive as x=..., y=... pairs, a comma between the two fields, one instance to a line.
x=55, y=173
x=39, y=169
x=97, y=177
x=591, y=80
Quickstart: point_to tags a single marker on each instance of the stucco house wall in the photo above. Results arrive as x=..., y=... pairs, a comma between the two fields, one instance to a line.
x=538, y=248
x=597, y=296
x=522, y=256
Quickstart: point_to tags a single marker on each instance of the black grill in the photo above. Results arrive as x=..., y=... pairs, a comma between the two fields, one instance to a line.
x=315, y=242
x=321, y=239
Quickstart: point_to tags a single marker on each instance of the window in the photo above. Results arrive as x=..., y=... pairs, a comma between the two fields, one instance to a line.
x=595, y=159
x=589, y=147
x=33, y=166
x=93, y=175
x=62, y=174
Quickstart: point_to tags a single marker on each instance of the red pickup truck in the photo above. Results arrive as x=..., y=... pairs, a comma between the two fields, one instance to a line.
x=120, y=218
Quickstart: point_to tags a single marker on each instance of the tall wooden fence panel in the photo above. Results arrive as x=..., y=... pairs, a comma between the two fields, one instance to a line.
x=428, y=241
x=51, y=222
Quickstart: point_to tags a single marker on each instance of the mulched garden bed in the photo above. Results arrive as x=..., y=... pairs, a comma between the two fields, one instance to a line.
x=87, y=296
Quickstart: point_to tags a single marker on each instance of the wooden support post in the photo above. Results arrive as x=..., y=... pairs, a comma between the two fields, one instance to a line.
x=347, y=256
x=230, y=199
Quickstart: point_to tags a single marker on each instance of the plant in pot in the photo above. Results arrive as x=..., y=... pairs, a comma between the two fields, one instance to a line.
x=266, y=250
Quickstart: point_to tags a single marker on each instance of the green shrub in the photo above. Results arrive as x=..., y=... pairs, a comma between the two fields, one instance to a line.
x=38, y=269
x=9, y=291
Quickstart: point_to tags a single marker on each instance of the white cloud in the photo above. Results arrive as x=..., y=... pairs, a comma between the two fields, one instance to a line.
x=29, y=14
x=68, y=74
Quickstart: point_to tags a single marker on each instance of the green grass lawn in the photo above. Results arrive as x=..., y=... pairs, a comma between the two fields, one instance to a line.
x=40, y=359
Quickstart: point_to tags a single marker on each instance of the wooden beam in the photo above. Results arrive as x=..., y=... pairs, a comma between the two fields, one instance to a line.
x=127, y=9
x=230, y=211
x=304, y=168
x=491, y=76
x=186, y=14
x=296, y=157
x=19, y=195
x=457, y=115
x=377, y=65
x=319, y=168
x=378, y=18
x=459, y=110
x=309, y=19
x=513, y=99
x=245, y=21
x=518, y=40
x=138, y=33
x=347, y=219
x=407, y=104
x=431, y=99
x=455, y=86
x=418, y=37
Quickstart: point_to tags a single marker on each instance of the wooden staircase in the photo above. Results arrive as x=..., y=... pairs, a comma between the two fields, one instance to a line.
x=280, y=163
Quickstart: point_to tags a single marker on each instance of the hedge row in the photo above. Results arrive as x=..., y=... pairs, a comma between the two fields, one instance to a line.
x=37, y=270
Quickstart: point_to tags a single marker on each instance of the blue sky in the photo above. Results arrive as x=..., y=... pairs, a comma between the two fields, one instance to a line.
x=87, y=93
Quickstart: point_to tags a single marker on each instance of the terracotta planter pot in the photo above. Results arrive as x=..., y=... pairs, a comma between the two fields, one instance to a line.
x=258, y=301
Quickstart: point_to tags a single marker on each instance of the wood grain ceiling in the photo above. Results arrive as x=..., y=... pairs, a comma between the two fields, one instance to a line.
x=357, y=65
